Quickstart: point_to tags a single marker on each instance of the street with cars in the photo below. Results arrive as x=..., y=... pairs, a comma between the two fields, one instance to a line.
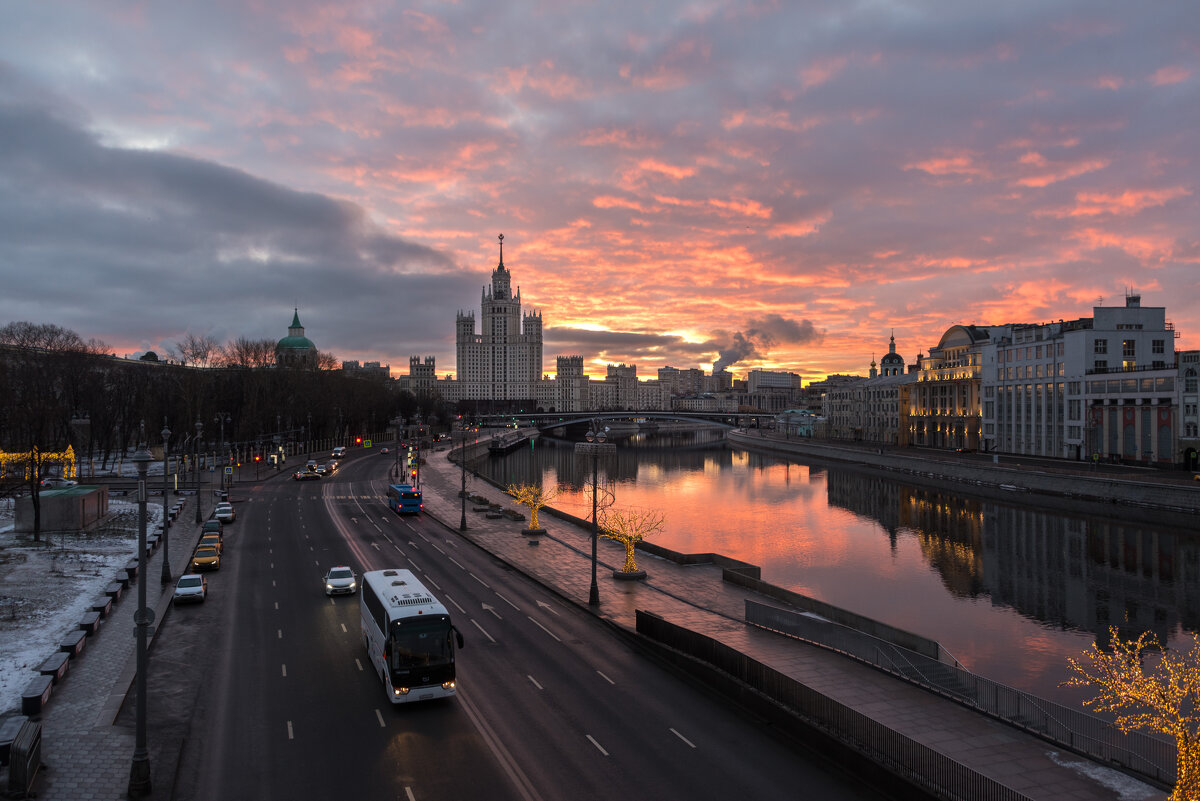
x=551, y=703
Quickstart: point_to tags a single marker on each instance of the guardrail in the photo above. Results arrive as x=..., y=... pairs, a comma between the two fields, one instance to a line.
x=937, y=773
x=1086, y=734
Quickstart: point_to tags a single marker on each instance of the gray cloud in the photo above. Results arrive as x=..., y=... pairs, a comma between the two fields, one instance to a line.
x=761, y=336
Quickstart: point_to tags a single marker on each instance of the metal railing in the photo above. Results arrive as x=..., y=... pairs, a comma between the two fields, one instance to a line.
x=935, y=772
x=1149, y=756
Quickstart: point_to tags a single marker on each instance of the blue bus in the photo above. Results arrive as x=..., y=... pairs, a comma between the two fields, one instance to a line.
x=404, y=499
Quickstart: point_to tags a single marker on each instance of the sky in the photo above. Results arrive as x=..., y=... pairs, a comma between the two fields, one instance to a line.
x=775, y=185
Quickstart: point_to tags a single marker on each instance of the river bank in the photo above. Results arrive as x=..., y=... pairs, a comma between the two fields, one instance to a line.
x=1169, y=492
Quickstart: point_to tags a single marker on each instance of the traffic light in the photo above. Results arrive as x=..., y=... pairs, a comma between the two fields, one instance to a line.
x=358, y=440
x=257, y=458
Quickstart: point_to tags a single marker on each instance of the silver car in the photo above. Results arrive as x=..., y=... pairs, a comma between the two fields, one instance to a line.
x=340, y=580
x=192, y=588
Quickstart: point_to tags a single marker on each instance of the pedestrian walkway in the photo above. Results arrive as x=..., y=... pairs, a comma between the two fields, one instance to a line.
x=86, y=756
x=696, y=597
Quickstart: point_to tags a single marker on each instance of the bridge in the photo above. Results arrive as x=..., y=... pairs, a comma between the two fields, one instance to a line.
x=547, y=420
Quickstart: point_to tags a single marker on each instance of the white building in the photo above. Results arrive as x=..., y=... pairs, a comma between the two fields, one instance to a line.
x=1103, y=386
x=502, y=362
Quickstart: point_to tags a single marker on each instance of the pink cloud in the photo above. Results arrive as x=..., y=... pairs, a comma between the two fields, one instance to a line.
x=1167, y=76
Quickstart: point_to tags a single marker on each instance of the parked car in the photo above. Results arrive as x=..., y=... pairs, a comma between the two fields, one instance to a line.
x=384, y=451
x=206, y=557
x=55, y=482
x=212, y=525
x=214, y=540
x=340, y=580
x=192, y=588
x=306, y=475
x=224, y=512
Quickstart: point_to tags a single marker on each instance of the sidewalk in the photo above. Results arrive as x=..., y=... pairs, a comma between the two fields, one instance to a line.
x=87, y=757
x=696, y=597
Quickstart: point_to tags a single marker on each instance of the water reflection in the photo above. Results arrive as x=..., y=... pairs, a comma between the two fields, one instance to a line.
x=1010, y=589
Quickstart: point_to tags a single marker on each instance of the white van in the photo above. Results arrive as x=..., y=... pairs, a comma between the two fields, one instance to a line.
x=339, y=452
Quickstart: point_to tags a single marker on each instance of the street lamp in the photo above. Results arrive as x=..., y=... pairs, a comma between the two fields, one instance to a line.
x=595, y=447
x=139, y=769
x=462, y=464
x=166, y=562
x=196, y=466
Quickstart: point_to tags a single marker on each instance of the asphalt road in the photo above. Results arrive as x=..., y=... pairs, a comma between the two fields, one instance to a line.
x=265, y=692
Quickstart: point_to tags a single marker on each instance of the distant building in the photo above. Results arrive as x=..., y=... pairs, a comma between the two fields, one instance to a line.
x=502, y=362
x=296, y=350
x=372, y=370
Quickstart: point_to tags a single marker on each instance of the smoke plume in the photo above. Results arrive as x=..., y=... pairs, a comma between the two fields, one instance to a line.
x=758, y=339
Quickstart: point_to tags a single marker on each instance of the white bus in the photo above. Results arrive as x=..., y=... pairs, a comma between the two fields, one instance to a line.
x=408, y=636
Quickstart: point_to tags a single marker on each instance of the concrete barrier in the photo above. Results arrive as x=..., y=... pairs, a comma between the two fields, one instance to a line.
x=73, y=643
x=36, y=695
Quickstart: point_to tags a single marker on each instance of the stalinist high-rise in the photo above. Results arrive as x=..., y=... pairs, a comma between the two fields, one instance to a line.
x=503, y=361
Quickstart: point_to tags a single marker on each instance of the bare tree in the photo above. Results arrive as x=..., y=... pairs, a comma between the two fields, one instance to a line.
x=198, y=351
x=243, y=352
x=327, y=361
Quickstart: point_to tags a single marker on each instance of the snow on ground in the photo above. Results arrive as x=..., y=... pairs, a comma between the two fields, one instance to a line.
x=47, y=586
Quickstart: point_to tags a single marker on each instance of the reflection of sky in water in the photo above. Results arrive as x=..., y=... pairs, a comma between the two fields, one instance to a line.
x=928, y=574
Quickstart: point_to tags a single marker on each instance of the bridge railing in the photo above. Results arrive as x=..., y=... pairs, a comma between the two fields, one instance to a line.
x=1149, y=756
x=940, y=775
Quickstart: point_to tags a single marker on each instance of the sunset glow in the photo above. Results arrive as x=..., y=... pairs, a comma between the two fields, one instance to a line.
x=669, y=177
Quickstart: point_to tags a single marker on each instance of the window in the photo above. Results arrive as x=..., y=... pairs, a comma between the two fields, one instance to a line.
x=1157, y=346
x=1100, y=365
x=1129, y=348
x=1100, y=346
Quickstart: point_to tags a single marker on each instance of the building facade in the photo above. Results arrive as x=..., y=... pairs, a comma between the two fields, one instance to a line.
x=501, y=362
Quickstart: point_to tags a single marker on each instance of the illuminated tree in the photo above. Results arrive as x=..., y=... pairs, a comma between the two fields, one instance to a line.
x=533, y=496
x=629, y=527
x=1162, y=700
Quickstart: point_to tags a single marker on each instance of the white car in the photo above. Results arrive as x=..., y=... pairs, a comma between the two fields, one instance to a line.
x=192, y=587
x=54, y=482
x=224, y=512
x=340, y=580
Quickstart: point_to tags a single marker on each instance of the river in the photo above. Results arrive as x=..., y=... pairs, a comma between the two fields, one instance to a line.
x=1011, y=590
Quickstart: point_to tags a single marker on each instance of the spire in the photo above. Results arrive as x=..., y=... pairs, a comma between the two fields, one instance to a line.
x=892, y=344
x=501, y=264
x=295, y=317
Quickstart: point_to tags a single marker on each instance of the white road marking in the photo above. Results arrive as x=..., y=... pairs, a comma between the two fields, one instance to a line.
x=482, y=630
x=414, y=566
x=408, y=792
x=599, y=747
x=272, y=565
x=548, y=608
x=279, y=634
x=492, y=609
x=375, y=545
x=606, y=678
x=451, y=600
x=272, y=582
x=358, y=663
x=344, y=631
x=543, y=628
x=277, y=604
x=453, y=562
x=535, y=682
x=681, y=737
x=481, y=581
x=510, y=603
x=290, y=737
x=439, y=550
x=284, y=667
x=379, y=716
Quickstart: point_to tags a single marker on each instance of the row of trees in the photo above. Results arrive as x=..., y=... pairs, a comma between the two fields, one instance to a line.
x=199, y=350
x=61, y=390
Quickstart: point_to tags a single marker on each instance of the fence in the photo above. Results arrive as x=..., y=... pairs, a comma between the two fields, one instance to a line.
x=903, y=756
x=1141, y=753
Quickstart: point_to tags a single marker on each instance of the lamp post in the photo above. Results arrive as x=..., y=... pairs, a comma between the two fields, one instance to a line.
x=166, y=562
x=139, y=769
x=462, y=465
x=196, y=467
x=222, y=418
x=595, y=447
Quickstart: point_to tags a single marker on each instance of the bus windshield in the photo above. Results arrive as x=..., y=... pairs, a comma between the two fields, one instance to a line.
x=421, y=644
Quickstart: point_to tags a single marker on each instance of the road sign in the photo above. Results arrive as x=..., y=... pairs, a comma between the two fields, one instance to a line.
x=229, y=471
x=367, y=444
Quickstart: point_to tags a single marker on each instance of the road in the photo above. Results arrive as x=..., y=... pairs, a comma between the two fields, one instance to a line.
x=265, y=692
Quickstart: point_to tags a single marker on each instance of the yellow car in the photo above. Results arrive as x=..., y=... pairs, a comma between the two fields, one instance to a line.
x=213, y=540
x=206, y=557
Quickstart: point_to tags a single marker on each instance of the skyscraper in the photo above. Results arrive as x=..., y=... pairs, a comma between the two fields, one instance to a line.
x=503, y=361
